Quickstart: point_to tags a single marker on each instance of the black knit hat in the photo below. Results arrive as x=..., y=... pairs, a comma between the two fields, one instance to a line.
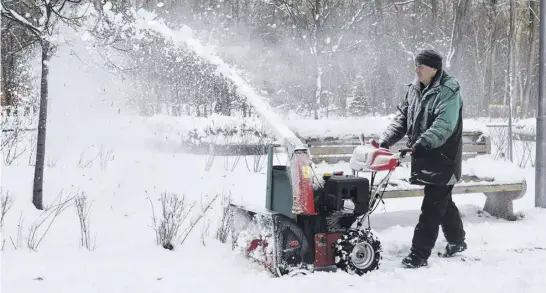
x=429, y=58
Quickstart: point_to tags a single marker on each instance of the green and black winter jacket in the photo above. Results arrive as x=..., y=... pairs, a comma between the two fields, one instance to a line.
x=431, y=117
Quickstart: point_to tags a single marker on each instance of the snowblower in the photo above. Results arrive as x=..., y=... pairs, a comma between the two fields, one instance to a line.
x=315, y=224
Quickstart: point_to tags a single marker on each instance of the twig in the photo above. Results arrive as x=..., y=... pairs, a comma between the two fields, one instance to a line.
x=194, y=223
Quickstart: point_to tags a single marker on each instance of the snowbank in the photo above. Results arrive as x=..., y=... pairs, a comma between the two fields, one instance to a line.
x=203, y=125
x=526, y=126
x=486, y=167
x=198, y=134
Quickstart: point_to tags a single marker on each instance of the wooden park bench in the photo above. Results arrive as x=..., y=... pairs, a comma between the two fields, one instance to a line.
x=499, y=195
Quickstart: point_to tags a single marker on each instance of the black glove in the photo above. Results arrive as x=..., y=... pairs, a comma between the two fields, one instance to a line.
x=383, y=144
x=419, y=150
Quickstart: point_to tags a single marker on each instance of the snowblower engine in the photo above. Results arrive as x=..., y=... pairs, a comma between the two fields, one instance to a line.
x=335, y=192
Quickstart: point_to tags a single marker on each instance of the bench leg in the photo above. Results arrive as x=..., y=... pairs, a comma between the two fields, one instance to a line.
x=501, y=204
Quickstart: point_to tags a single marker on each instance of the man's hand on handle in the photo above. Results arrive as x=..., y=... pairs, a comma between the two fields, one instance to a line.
x=418, y=150
x=383, y=144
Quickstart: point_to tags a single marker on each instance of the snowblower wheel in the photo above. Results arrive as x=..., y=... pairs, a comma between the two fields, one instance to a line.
x=357, y=252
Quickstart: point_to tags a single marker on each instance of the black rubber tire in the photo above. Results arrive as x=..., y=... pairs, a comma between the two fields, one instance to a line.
x=344, y=246
x=298, y=272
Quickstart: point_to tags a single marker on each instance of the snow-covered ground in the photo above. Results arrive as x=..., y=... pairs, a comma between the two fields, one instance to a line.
x=123, y=163
x=127, y=259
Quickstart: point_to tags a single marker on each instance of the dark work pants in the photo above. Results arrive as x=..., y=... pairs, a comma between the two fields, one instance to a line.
x=438, y=209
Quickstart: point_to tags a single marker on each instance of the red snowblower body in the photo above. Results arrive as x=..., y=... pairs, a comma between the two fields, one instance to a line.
x=313, y=223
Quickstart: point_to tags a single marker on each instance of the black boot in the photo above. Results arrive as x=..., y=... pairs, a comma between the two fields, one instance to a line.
x=414, y=261
x=453, y=248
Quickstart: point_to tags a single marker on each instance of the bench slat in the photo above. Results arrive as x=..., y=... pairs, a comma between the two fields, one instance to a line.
x=333, y=150
x=333, y=159
x=464, y=188
x=348, y=149
x=475, y=148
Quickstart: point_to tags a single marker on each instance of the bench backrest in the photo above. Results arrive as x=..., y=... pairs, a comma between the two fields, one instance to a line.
x=331, y=150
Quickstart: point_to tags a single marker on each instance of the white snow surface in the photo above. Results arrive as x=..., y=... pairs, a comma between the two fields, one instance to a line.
x=120, y=164
x=500, y=170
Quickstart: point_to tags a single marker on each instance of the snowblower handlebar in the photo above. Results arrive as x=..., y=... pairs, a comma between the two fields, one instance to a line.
x=371, y=157
x=404, y=152
x=375, y=144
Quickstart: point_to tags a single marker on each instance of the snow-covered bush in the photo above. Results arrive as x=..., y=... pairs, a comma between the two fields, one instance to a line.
x=171, y=225
x=83, y=208
x=174, y=211
x=225, y=221
x=6, y=202
x=243, y=134
x=39, y=229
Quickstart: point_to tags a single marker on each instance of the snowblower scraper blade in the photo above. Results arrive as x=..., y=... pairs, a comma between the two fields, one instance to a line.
x=271, y=239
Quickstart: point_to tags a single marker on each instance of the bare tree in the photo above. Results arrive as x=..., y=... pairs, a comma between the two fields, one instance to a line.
x=532, y=41
x=40, y=18
x=288, y=48
x=457, y=34
x=315, y=25
x=490, y=52
x=17, y=45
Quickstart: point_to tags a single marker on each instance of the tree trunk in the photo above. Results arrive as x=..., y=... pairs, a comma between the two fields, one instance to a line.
x=315, y=42
x=531, y=61
x=490, y=54
x=318, y=90
x=512, y=55
x=511, y=79
x=9, y=72
x=517, y=56
x=433, y=20
x=489, y=79
x=37, y=193
x=7, y=80
x=457, y=35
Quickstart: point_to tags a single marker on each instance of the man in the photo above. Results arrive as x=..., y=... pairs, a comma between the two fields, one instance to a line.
x=431, y=116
